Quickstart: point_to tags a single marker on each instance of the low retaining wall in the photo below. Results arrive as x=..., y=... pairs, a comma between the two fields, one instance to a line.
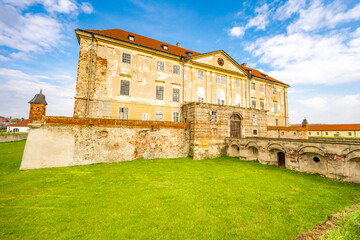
x=12, y=137
x=336, y=160
x=59, y=144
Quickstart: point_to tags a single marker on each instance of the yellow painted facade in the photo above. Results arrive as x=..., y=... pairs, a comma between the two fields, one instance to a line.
x=340, y=133
x=102, y=70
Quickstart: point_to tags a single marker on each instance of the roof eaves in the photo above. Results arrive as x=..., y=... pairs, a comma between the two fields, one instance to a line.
x=116, y=39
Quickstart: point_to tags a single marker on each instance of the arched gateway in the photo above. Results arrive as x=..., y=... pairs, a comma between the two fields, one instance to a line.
x=235, y=125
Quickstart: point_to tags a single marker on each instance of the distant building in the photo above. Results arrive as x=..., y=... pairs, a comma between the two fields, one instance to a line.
x=2, y=119
x=334, y=130
x=19, y=127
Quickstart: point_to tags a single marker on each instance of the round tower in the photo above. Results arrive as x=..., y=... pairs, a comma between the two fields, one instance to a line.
x=37, y=107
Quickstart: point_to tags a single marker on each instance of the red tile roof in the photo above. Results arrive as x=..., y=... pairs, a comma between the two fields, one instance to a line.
x=157, y=45
x=259, y=74
x=20, y=124
x=335, y=127
x=142, y=41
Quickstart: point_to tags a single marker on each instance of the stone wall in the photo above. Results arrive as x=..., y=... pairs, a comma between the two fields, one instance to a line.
x=12, y=137
x=294, y=132
x=337, y=160
x=207, y=138
x=61, y=141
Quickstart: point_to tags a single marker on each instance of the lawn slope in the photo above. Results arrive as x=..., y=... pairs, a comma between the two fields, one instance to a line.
x=221, y=198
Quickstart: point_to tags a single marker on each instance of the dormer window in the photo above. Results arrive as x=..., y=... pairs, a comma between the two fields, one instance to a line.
x=265, y=75
x=165, y=47
x=189, y=54
x=131, y=38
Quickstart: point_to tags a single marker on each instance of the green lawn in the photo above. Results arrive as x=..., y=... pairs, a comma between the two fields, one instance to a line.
x=221, y=198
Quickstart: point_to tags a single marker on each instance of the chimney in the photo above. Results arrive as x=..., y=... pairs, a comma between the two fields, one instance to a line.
x=244, y=64
x=178, y=44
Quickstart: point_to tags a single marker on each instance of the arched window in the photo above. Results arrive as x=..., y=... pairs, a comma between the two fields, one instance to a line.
x=201, y=94
x=220, y=96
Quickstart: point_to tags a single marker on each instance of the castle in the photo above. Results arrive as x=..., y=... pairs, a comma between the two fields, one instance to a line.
x=137, y=97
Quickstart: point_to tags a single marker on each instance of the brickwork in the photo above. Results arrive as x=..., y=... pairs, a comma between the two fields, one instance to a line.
x=336, y=160
x=37, y=111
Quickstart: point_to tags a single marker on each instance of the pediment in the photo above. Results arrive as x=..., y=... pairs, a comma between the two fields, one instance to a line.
x=219, y=59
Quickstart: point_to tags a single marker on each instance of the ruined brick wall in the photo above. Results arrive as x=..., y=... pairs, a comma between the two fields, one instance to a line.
x=71, y=141
x=207, y=138
x=294, y=132
x=338, y=160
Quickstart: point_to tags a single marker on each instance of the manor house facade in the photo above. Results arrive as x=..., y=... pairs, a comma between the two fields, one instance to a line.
x=122, y=75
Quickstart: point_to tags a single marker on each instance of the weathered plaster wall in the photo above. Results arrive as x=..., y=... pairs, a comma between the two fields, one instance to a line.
x=337, y=160
x=12, y=137
x=61, y=144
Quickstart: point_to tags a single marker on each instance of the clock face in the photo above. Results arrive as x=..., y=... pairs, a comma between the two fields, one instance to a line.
x=220, y=61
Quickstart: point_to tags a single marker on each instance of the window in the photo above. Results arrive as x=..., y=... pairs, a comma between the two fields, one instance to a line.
x=252, y=86
x=262, y=104
x=237, y=100
x=220, y=79
x=159, y=115
x=126, y=58
x=275, y=90
x=349, y=133
x=124, y=89
x=261, y=87
x=189, y=54
x=220, y=96
x=159, y=92
x=213, y=115
x=237, y=82
x=160, y=66
x=176, y=94
x=309, y=133
x=131, y=38
x=123, y=113
x=145, y=117
x=255, y=132
x=200, y=74
x=176, y=69
x=276, y=122
x=165, y=47
x=175, y=116
x=201, y=94
x=254, y=119
x=317, y=133
x=326, y=133
x=275, y=107
x=253, y=103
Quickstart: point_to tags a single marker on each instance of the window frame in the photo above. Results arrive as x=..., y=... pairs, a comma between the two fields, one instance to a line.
x=159, y=113
x=173, y=116
x=200, y=76
x=176, y=94
x=127, y=113
x=126, y=58
x=176, y=69
x=159, y=89
x=122, y=87
x=160, y=66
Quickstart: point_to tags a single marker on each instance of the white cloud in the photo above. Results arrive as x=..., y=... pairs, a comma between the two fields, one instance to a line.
x=328, y=109
x=237, y=32
x=21, y=87
x=261, y=20
x=4, y=59
x=60, y=6
x=289, y=8
x=319, y=16
x=310, y=58
x=87, y=7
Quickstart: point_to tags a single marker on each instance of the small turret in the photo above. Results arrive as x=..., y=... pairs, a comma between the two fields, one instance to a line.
x=305, y=123
x=37, y=107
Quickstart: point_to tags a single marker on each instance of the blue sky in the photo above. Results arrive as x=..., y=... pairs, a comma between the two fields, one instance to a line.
x=312, y=45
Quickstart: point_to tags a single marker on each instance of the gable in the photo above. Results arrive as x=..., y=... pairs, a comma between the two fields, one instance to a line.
x=218, y=59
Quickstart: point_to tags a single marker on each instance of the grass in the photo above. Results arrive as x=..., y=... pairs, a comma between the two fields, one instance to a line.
x=221, y=198
x=348, y=228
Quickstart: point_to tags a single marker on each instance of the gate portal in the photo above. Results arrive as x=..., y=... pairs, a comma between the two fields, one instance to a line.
x=281, y=159
x=235, y=126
